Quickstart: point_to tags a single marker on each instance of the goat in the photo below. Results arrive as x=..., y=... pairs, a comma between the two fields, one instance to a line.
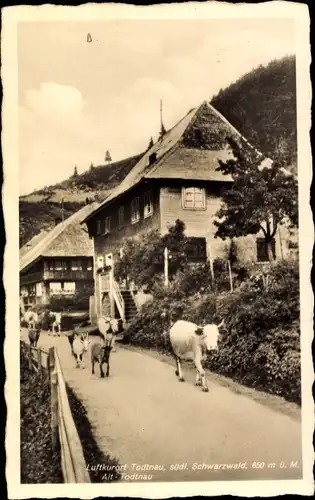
x=101, y=353
x=79, y=347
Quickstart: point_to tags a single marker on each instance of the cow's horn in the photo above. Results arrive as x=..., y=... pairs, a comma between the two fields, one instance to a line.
x=221, y=324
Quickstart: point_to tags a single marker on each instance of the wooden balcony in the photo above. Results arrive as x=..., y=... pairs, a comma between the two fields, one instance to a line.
x=68, y=275
x=31, y=278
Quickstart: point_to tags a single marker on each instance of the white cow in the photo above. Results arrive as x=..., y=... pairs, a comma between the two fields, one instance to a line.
x=110, y=325
x=190, y=341
x=79, y=348
x=31, y=318
x=56, y=324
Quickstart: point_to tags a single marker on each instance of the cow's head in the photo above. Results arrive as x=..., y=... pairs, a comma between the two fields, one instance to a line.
x=116, y=325
x=209, y=336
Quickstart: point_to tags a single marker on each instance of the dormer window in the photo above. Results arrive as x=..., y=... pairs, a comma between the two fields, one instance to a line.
x=108, y=225
x=148, y=204
x=135, y=210
x=152, y=158
x=193, y=198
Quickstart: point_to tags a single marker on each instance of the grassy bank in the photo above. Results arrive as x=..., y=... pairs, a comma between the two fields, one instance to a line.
x=39, y=464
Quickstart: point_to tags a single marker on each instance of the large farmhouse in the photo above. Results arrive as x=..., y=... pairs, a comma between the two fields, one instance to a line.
x=58, y=262
x=175, y=179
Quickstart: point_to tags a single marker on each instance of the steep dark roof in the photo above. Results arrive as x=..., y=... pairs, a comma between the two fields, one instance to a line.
x=67, y=239
x=190, y=150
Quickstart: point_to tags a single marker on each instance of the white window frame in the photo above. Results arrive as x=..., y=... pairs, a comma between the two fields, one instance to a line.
x=53, y=290
x=135, y=210
x=67, y=289
x=39, y=289
x=108, y=225
x=193, y=190
x=148, y=204
x=121, y=216
x=109, y=259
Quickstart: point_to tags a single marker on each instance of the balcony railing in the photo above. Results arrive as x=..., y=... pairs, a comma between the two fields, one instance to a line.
x=31, y=278
x=68, y=275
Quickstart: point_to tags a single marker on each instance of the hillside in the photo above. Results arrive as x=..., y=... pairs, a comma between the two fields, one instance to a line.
x=262, y=106
x=40, y=210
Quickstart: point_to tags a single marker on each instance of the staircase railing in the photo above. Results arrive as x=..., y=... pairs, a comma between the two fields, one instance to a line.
x=119, y=300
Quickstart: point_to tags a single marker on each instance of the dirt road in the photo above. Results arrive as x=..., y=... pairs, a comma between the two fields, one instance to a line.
x=143, y=416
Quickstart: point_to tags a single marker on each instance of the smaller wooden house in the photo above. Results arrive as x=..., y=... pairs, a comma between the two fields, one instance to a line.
x=58, y=262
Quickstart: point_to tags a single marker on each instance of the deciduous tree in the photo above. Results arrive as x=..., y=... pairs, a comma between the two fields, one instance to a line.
x=261, y=197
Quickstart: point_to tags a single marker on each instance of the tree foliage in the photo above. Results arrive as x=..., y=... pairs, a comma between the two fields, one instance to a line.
x=151, y=143
x=259, y=199
x=108, y=157
x=142, y=261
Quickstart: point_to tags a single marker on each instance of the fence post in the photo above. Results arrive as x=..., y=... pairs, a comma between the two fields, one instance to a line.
x=230, y=275
x=53, y=398
x=209, y=257
x=39, y=361
x=29, y=351
x=166, y=267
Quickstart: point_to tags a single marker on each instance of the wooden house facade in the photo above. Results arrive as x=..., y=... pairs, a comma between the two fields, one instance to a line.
x=175, y=179
x=58, y=263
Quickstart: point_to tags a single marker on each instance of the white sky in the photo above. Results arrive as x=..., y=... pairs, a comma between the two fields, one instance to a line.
x=78, y=99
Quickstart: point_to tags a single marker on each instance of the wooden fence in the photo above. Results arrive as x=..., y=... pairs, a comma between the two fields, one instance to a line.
x=64, y=434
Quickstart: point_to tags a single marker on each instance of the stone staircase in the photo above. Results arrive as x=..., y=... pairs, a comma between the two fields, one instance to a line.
x=130, y=306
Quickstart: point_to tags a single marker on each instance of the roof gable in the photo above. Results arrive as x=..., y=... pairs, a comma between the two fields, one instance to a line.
x=66, y=239
x=190, y=150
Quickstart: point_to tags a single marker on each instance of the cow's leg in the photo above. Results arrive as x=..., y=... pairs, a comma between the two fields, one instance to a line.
x=93, y=366
x=179, y=372
x=198, y=378
x=101, y=370
x=202, y=375
x=114, y=344
x=107, y=370
x=77, y=360
x=82, y=361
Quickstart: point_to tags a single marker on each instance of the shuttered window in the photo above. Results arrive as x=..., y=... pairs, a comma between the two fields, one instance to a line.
x=193, y=198
x=135, y=210
x=108, y=225
x=148, y=204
